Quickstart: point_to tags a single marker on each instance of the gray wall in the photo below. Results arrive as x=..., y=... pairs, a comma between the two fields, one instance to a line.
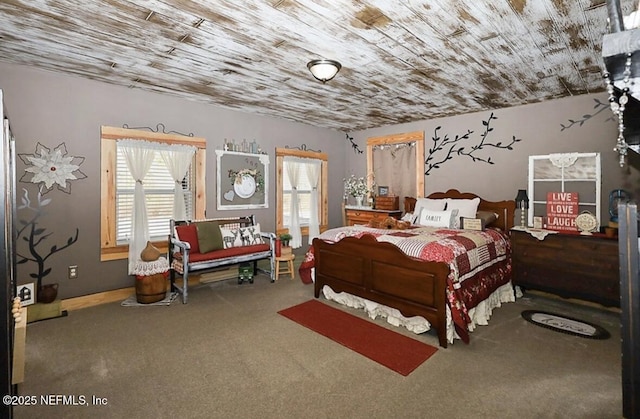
x=540, y=128
x=52, y=108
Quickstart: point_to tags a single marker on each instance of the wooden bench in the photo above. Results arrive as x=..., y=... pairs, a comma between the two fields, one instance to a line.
x=241, y=242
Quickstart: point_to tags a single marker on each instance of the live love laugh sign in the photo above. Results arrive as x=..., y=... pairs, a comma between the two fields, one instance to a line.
x=562, y=210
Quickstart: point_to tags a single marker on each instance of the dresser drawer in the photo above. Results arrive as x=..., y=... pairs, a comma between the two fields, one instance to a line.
x=363, y=216
x=570, y=265
x=389, y=203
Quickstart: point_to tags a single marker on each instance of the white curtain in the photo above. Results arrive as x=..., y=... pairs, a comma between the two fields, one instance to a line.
x=178, y=158
x=139, y=156
x=293, y=174
x=394, y=166
x=313, y=176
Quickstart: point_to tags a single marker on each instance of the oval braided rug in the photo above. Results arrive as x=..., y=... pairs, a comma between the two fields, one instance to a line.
x=564, y=324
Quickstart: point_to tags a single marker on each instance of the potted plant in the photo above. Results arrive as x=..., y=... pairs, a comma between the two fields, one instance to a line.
x=285, y=238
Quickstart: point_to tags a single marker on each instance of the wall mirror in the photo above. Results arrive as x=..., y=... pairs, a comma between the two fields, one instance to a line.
x=397, y=162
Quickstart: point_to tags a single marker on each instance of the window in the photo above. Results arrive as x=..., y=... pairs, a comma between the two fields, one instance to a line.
x=304, y=197
x=159, y=190
x=564, y=172
x=405, y=179
x=117, y=190
x=283, y=203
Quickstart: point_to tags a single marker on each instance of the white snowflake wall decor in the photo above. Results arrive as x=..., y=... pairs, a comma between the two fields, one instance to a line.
x=52, y=168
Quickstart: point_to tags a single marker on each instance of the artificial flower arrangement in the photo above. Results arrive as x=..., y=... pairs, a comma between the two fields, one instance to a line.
x=236, y=177
x=356, y=186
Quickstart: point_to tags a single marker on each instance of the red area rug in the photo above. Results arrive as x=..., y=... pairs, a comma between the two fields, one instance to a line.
x=393, y=350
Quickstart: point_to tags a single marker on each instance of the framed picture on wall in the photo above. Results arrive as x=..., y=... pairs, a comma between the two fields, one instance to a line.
x=383, y=190
x=243, y=180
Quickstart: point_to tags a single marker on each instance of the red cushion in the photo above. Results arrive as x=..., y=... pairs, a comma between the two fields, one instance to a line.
x=225, y=253
x=189, y=233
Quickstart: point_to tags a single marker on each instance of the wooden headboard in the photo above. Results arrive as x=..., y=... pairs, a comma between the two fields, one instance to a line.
x=505, y=209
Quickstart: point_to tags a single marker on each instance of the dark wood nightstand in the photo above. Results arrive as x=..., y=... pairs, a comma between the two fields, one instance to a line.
x=568, y=265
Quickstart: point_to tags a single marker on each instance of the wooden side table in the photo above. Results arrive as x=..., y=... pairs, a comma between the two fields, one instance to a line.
x=289, y=268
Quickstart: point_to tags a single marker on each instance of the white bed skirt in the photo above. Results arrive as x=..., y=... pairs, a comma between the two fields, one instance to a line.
x=479, y=315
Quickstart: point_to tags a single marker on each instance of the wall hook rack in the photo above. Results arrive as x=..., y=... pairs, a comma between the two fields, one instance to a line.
x=159, y=128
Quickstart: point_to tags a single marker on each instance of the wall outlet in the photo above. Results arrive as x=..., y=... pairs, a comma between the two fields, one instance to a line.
x=26, y=294
x=73, y=271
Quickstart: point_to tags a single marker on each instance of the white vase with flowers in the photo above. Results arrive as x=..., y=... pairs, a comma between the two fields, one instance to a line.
x=356, y=187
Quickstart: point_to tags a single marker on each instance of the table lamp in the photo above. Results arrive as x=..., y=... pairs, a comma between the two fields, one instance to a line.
x=522, y=203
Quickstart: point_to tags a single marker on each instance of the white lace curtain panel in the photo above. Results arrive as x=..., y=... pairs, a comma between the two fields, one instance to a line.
x=313, y=175
x=139, y=156
x=296, y=167
x=293, y=174
x=178, y=158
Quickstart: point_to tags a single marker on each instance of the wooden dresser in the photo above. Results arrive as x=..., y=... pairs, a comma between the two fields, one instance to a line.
x=363, y=216
x=569, y=265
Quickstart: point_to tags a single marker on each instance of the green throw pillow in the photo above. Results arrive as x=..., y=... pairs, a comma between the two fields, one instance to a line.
x=209, y=236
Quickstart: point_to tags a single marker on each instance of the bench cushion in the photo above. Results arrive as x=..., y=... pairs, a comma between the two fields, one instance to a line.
x=225, y=253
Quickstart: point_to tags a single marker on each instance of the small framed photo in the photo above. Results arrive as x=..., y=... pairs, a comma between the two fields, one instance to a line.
x=537, y=222
x=383, y=190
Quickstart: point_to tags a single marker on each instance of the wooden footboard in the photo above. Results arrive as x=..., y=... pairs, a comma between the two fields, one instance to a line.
x=381, y=272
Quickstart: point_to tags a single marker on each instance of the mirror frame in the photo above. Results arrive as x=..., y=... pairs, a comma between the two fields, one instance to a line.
x=417, y=137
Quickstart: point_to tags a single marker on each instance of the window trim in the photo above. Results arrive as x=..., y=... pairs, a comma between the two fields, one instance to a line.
x=534, y=203
x=109, y=249
x=409, y=137
x=324, y=177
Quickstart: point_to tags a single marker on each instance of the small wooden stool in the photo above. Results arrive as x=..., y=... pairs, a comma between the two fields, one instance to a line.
x=289, y=259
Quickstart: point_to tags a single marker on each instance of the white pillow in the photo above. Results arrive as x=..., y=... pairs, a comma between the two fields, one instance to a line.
x=231, y=237
x=467, y=208
x=251, y=235
x=429, y=204
x=243, y=236
x=445, y=219
x=408, y=217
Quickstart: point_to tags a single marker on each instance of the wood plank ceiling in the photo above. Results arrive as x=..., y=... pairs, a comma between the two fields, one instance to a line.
x=403, y=60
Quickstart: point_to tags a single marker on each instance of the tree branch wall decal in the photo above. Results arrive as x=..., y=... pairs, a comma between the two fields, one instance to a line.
x=355, y=147
x=34, y=236
x=600, y=106
x=48, y=168
x=453, y=146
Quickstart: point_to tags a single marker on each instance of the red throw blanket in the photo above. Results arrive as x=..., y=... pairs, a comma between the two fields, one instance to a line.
x=479, y=261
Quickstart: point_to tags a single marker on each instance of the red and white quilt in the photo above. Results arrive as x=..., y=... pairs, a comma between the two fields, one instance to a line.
x=479, y=261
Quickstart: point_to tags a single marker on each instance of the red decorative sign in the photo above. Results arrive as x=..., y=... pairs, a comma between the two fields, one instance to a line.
x=562, y=210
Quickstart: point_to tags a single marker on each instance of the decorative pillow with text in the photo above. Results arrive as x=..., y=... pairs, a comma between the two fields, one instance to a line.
x=428, y=204
x=444, y=219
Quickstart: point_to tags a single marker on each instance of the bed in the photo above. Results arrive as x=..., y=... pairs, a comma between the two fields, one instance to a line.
x=442, y=275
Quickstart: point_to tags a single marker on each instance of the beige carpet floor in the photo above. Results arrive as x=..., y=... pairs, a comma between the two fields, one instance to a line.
x=228, y=354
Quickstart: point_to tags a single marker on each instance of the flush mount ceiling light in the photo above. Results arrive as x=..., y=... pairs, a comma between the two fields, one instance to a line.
x=324, y=70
